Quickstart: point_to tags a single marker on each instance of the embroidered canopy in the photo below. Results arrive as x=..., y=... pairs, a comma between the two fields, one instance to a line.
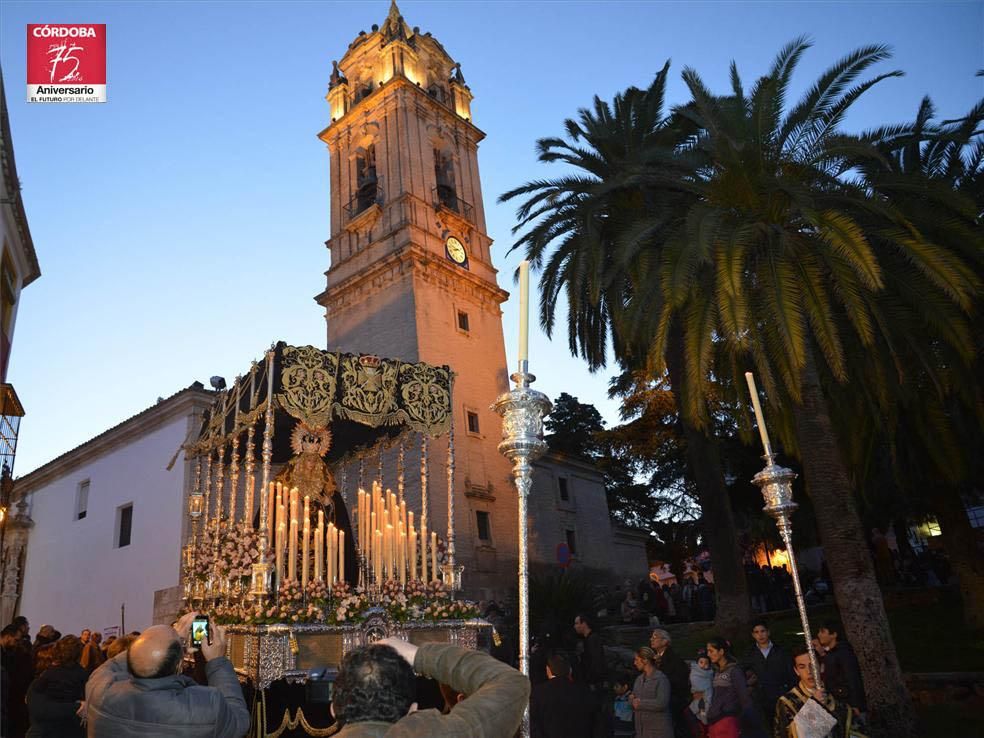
x=359, y=398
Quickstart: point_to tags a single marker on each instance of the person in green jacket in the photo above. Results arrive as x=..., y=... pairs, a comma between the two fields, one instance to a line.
x=375, y=692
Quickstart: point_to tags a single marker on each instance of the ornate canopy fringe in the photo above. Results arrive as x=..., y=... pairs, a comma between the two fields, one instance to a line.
x=365, y=399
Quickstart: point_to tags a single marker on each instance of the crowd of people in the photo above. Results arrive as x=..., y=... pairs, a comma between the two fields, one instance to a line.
x=651, y=601
x=68, y=686
x=139, y=685
x=42, y=682
x=716, y=695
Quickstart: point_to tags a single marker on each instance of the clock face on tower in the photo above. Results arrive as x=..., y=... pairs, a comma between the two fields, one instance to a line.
x=456, y=251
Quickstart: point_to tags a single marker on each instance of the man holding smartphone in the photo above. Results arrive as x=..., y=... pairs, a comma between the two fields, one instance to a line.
x=142, y=692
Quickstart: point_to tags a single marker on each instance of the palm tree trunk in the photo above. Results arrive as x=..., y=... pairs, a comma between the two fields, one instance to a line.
x=960, y=544
x=859, y=600
x=718, y=524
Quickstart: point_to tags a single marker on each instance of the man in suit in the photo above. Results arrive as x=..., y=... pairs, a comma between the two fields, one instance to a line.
x=559, y=707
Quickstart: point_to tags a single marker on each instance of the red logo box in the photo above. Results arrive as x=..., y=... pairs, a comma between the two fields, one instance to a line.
x=66, y=62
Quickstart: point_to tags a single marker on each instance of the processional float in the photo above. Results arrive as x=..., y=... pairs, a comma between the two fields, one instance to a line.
x=273, y=551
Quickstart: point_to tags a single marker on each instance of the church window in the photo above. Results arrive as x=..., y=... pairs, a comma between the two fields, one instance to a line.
x=82, y=500
x=124, y=524
x=438, y=93
x=463, y=321
x=565, y=493
x=365, y=178
x=472, y=418
x=444, y=174
x=363, y=90
x=571, y=541
x=484, y=526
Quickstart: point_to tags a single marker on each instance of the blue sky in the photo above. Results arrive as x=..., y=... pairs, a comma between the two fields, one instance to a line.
x=180, y=226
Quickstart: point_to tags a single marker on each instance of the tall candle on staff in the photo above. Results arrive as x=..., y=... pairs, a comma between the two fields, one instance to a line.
x=524, y=311
x=759, y=418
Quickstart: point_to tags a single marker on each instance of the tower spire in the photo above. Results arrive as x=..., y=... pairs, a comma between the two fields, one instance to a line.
x=394, y=27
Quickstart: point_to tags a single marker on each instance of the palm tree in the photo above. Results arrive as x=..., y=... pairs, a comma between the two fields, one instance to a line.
x=937, y=410
x=590, y=233
x=783, y=264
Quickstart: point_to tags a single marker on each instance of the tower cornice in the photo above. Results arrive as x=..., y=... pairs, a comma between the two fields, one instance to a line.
x=372, y=102
x=422, y=264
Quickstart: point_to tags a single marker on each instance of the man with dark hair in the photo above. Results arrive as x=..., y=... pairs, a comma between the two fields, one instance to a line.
x=841, y=672
x=375, y=684
x=92, y=654
x=591, y=670
x=768, y=668
x=375, y=694
x=141, y=693
x=807, y=691
x=18, y=671
x=560, y=708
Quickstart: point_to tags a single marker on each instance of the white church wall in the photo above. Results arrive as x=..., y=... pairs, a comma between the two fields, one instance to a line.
x=76, y=575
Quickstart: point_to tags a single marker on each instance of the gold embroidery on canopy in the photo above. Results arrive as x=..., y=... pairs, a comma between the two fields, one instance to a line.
x=368, y=386
x=426, y=396
x=307, y=378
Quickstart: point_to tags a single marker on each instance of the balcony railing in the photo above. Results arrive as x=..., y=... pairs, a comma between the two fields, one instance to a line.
x=365, y=197
x=445, y=197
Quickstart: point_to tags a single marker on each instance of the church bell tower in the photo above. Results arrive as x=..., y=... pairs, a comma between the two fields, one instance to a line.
x=411, y=274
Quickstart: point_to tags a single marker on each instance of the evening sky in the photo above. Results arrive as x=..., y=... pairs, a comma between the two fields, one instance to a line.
x=180, y=226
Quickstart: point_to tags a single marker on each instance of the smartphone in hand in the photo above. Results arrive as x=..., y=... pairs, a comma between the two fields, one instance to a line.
x=200, y=632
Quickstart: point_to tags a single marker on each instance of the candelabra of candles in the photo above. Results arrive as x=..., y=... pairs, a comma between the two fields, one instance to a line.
x=776, y=483
x=321, y=549
x=388, y=540
x=389, y=544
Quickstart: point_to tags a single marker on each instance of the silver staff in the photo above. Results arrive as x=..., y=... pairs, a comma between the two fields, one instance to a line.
x=776, y=483
x=522, y=410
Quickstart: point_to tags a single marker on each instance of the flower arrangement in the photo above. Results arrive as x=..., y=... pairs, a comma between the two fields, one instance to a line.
x=349, y=604
x=227, y=551
x=345, y=605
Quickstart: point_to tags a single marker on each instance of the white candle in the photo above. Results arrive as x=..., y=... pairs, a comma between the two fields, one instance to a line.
x=423, y=552
x=341, y=555
x=524, y=310
x=379, y=557
x=401, y=564
x=319, y=546
x=330, y=544
x=305, y=552
x=281, y=532
x=413, y=554
x=433, y=555
x=388, y=547
x=759, y=418
x=292, y=552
